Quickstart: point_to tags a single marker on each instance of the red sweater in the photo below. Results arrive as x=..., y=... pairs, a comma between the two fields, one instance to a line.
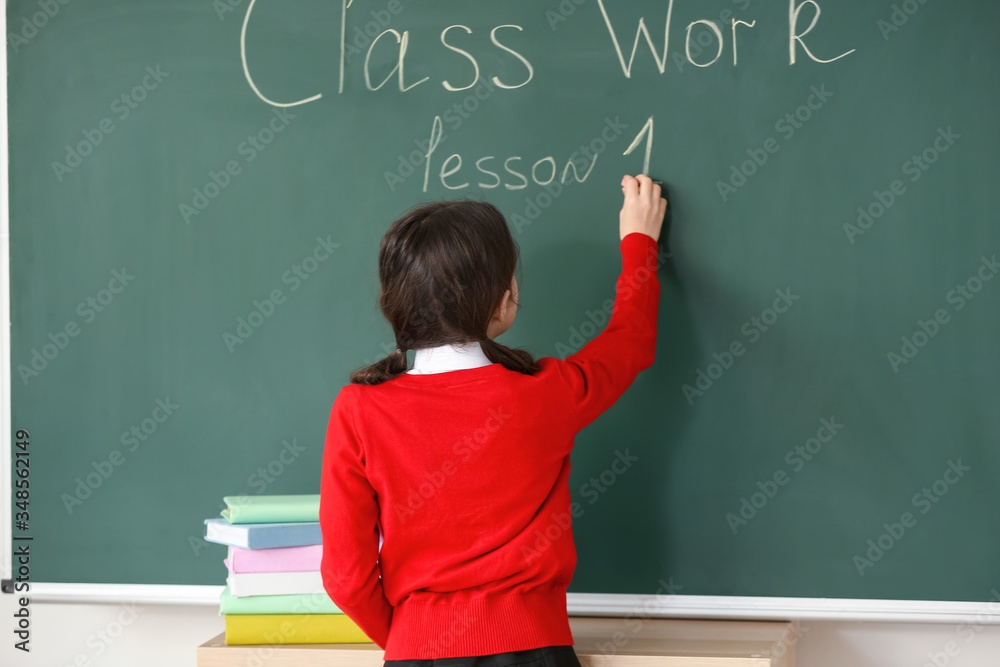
x=466, y=475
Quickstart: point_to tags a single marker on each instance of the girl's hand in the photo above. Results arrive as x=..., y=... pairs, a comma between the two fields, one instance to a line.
x=643, y=209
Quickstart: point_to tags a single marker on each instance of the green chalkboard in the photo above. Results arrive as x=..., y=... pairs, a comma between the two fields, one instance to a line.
x=193, y=268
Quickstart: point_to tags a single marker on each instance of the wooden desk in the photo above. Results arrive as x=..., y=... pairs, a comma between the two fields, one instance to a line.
x=600, y=642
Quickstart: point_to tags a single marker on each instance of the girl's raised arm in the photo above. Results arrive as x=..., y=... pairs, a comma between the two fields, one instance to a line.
x=605, y=367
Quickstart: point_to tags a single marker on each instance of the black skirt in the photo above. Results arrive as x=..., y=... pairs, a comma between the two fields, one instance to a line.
x=547, y=656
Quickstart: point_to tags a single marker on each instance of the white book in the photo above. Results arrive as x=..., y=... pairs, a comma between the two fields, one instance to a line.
x=274, y=583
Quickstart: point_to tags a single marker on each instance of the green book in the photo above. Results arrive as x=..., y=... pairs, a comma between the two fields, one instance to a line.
x=271, y=509
x=307, y=603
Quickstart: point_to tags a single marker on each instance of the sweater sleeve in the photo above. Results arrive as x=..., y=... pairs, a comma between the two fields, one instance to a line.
x=348, y=516
x=605, y=367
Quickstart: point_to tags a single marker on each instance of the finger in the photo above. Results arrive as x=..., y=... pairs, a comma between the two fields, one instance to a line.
x=630, y=186
x=656, y=191
x=644, y=184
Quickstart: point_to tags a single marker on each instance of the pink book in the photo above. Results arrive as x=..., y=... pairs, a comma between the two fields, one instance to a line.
x=279, y=559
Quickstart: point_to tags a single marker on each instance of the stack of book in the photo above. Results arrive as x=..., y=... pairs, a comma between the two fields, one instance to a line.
x=274, y=592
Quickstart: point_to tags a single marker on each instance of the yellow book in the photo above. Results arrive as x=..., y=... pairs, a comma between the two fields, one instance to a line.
x=292, y=629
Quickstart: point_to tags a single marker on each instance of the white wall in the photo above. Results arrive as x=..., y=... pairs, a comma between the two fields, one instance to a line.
x=65, y=635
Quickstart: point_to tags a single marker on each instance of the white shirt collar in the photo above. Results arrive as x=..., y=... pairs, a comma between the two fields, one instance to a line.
x=448, y=358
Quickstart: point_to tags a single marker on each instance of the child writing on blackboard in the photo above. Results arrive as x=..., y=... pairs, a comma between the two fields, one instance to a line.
x=461, y=463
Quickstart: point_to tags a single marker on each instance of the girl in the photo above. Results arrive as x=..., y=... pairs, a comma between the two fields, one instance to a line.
x=462, y=463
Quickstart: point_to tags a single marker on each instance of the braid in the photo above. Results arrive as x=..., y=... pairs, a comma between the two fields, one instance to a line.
x=509, y=357
x=387, y=368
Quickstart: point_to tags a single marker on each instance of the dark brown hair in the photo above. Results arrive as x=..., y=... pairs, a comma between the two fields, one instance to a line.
x=444, y=268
